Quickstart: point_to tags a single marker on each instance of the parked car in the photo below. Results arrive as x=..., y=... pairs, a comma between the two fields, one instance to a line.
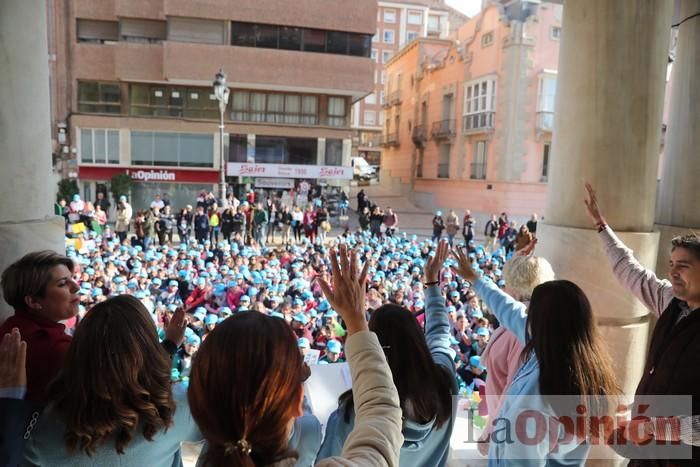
x=362, y=170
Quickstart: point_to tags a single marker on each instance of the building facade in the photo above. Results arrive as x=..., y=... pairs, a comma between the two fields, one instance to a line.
x=398, y=24
x=132, y=92
x=468, y=121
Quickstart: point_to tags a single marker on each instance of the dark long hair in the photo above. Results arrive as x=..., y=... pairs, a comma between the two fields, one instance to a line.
x=246, y=384
x=425, y=388
x=116, y=378
x=564, y=337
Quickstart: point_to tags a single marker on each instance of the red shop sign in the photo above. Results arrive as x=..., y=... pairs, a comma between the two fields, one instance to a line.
x=140, y=174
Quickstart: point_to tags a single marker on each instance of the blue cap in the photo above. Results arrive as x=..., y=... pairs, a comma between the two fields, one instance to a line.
x=211, y=319
x=200, y=313
x=303, y=343
x=245, y=298
x=224, y=310
x=173, y=283
x=276, y=314
x=252, y=292
x=451, y=309
x=477, y=314
x=301, y=318
x=193, y=339
x=201, y=281
x=482, y=332
x=475, y=361
x=334, y=346
x=331, y=314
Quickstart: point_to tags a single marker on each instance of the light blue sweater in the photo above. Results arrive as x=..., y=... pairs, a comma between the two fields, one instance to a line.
x=523, y=394
x=46, y=446
x=424, y=445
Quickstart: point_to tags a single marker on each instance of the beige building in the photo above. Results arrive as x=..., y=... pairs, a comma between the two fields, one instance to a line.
x=467, y=121
x=132, y=92
x=398, y=23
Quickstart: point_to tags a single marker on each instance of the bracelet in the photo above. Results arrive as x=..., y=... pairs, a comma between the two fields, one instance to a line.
x=428, y=284
x=602, y=226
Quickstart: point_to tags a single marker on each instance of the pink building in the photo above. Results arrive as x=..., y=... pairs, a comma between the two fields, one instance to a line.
x=468, y=121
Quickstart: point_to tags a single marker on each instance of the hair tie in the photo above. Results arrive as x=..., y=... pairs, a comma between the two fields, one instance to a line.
x=242, y=446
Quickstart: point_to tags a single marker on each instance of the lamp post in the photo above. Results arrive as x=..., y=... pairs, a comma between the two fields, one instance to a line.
x=221, y=91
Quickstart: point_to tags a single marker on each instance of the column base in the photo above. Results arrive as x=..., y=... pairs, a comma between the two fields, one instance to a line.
x=19, y=238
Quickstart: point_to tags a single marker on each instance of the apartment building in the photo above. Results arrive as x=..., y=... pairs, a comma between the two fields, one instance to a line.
x=132, y=92
x=398, y=24
x=468, y=121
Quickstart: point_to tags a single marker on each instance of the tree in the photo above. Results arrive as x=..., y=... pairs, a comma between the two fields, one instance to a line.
x=120, y=185
x=66, y=189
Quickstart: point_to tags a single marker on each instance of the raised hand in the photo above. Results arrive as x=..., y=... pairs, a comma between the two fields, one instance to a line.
x=13, y=356
x=592, y=208
x=175, y=327
x=347, y=295
x=464, y=267
x=435, y=263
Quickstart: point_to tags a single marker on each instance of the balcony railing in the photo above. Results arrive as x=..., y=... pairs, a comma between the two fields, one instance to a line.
x=419, y=135
x=443, y=129
x=395, y=98
x=479, y=122
x=545, y=121
x=478, y=171
x=390, y=139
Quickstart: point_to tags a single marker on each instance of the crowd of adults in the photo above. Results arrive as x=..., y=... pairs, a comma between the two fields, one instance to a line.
x=135, y=343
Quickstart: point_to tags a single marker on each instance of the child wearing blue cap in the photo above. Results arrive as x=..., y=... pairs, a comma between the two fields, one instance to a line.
x=333, y=352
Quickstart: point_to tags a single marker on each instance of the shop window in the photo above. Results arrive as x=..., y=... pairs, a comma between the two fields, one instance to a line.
x=334, y=152
x=337, y=42
x=172, y=149
x=336, y=112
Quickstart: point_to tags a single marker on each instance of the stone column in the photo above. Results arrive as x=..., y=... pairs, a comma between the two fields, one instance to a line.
x=27, y=222
x=679, y=199
x=610, y=87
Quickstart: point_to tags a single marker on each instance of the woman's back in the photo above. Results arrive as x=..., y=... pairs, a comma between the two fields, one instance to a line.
x=47, y=446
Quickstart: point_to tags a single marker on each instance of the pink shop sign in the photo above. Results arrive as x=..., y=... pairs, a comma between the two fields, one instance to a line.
x=243, y=169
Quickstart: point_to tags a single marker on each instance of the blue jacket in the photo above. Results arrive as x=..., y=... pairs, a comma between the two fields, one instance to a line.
x=522, y=394
x=18, y=418
x=46, y=446
x=424, y=445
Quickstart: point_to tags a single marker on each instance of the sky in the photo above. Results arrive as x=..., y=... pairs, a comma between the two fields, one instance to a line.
x=468, y=7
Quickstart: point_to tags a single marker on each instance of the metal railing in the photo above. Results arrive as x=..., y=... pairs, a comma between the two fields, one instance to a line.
x=390, y=139
x=479, y=122
x=443, y=129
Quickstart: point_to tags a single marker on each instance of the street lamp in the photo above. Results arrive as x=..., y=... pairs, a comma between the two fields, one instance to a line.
x=221, y=91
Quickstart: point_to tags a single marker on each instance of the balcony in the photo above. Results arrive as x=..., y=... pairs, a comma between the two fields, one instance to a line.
x=395, y=98
x=390, y=139
x=443, y=129
x=419, y=135
x=545, y=121
x=478, y=171
x=482, y=122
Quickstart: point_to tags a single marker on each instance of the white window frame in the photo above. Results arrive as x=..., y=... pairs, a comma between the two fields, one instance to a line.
x=414, y=13
x=92, y=144
x=383, y=78
x=369, y=121
x=371, y=99
x=393, y=36
x=375, y=37
x=390, y=11
x=473, y=104
x=386, y=56
x=541, y=101
x=374, y=55
x=476, y=101
x=409, y=34
x=382, y=97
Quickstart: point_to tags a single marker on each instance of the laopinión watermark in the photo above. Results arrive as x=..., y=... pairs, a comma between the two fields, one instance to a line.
x=573, y=427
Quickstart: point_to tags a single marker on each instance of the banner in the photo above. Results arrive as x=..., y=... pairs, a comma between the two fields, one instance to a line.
x=242, y=169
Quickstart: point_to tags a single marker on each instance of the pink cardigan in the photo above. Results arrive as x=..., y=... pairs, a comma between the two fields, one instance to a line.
x=502, y=359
